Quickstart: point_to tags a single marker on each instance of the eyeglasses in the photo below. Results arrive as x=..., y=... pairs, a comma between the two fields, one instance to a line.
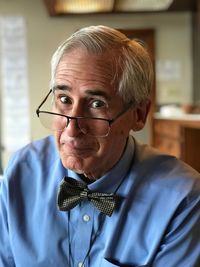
x=98, y=127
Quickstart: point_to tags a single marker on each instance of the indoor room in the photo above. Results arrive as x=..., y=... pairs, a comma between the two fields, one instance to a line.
x=99, y=133
x=34, y=29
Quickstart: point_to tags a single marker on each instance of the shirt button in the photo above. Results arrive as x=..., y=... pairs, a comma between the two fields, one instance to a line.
x=81, y=264
x=86, y=218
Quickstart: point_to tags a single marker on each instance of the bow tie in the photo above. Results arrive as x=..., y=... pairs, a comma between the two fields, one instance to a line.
x=72, y=192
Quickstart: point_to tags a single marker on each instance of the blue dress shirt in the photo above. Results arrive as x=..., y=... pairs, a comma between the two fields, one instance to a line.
x=156, y=223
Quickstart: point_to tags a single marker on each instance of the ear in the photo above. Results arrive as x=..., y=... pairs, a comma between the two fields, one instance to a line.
x=140, y=115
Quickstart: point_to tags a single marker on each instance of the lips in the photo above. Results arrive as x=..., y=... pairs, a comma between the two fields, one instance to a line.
x=77, y=148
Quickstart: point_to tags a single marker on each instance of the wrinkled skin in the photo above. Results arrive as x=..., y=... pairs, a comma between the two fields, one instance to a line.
x=85, y=87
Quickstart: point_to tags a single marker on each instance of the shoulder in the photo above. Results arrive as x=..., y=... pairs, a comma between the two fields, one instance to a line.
x=165, y=172
x=34, y=155
x=38, y=149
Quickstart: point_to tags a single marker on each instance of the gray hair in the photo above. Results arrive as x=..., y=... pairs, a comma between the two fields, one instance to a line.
x=133, y=67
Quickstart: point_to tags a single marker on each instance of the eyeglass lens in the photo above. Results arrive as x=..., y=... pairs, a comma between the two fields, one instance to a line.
x=91, y=126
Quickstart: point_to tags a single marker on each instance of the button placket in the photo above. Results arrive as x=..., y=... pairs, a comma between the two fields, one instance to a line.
x=83, y=234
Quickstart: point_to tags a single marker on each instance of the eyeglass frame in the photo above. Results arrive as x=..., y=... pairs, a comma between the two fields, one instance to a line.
x=69, y=118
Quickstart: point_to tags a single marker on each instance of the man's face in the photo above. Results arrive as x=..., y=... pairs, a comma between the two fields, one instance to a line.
x=84, y=87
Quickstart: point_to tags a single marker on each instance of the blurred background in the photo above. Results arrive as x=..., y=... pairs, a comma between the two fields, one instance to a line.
x=30, y=31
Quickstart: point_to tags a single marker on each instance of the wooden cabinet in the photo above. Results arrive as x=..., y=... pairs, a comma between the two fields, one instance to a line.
x=180, y=138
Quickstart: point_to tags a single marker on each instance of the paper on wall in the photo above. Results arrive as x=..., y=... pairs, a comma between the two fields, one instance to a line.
x=168, y=70
x=14, y=83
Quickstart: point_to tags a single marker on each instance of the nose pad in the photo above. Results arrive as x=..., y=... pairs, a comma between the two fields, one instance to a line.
x=72, y=120
x=72, y=127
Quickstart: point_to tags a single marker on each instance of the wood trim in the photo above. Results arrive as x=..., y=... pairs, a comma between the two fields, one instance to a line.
x=196, y=52
x=50, y=5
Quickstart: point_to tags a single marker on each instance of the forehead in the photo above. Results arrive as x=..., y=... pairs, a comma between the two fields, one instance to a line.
x=82, y=65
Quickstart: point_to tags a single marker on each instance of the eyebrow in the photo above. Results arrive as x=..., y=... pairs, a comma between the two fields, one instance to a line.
x=91, y=92
x=61, y=87
x=97, y=92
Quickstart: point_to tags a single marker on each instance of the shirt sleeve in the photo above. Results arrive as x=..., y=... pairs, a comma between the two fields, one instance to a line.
x=6, y=258
x=181, y=243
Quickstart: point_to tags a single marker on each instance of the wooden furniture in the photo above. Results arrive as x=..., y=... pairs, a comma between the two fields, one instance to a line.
x=179, y=137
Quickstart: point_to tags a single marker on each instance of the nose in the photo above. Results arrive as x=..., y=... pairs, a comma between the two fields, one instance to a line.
x=72, y=129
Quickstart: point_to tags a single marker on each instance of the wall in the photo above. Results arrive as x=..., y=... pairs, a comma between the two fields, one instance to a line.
x=44, y=34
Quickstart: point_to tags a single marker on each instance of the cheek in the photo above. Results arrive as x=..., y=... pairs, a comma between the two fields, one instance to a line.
x=118, y=135
x=116, y=140
x=121, y=130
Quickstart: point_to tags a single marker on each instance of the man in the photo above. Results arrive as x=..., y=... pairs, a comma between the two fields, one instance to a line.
x=103, y=199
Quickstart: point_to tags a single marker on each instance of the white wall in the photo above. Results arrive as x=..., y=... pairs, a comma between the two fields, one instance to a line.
x=45, y=33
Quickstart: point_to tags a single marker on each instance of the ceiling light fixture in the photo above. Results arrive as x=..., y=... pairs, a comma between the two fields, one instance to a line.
x=142, y=5
x=84, y=6
x=59, y=7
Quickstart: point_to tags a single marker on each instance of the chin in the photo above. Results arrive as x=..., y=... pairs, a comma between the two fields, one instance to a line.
x=75, y=163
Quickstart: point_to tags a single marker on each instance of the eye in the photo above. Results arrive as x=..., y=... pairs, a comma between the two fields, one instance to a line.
x=61, y=99
x=98, y=104
x=65, y=100
x=62, y=102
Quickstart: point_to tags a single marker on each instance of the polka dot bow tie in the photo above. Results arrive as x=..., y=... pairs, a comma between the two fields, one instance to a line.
x=72, y=192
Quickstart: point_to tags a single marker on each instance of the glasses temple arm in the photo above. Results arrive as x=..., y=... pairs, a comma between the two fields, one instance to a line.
x=38, y=109
x=121, y=113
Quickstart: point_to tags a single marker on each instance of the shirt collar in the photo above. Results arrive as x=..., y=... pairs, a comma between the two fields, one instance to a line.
x=112, y=180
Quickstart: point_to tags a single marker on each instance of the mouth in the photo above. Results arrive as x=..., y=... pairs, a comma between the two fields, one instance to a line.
x=77, y=148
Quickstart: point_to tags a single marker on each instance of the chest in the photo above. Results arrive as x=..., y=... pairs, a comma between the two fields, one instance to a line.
x=83, y=235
